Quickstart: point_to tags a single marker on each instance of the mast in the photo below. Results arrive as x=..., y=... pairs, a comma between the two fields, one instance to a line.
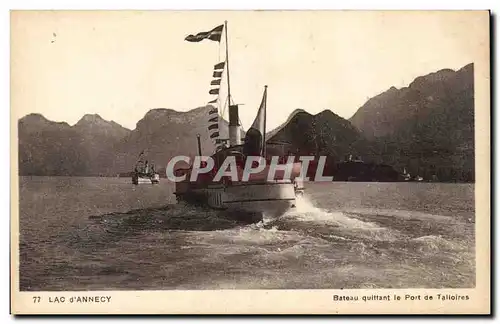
x=234, y=132
x=227, y=65
x=264, y=133
x=199, y=144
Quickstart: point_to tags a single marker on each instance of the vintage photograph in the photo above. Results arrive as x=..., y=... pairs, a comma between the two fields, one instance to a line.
x=249, y=150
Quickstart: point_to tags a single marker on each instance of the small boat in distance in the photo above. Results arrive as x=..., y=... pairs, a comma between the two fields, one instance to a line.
x=144, y=172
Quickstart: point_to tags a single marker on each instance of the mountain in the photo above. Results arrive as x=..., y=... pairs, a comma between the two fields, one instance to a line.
x=94, y=146
x=97, y=139
x=165, y=133
x=324, y=134
x=54, y=148
x=273, y=132
x=427, y=127
x=94, y=126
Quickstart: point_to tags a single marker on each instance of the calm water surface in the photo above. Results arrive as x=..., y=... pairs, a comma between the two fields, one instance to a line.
x=107, y=234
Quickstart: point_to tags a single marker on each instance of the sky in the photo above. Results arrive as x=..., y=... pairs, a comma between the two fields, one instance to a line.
x=121, y=64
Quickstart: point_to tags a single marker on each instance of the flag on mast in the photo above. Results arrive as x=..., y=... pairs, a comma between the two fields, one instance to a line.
x=214, y=35
x=255, y=137
x=260, y=120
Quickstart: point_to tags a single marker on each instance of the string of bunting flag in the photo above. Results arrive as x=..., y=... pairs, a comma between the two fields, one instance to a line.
x=213, y=114
x=213, y=120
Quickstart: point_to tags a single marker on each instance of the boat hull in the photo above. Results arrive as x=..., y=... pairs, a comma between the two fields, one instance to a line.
x=145, y=179
x=268, y=199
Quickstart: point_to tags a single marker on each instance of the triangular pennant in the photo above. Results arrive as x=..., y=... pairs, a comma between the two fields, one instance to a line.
x=260, y=120
x=213, y=126
x=213, y=101
x=213, y=120
x=217, y=74
x=214, y=135
x=219, y=66
x=215, y=82
x=214, y=91
x=213, y=111
x=255, y=136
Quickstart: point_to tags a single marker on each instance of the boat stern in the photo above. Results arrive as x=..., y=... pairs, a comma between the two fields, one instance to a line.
x=269, y=198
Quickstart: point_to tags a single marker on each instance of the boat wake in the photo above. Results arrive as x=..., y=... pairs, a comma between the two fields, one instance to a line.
x=184, y=247
x=308, y=220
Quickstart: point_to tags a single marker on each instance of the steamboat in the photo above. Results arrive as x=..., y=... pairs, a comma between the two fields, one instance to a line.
x=256, y=193
x=144, y=172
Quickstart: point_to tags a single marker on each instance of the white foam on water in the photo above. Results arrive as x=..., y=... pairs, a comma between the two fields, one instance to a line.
x=344, y=223
x=306, y=211
x=304, y=205
x=436, y=243
x=266, y=220
x=249, y=236
x=260, y=235
x=399, y=213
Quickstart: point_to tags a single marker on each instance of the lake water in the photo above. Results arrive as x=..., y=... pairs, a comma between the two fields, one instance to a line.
x=107, y=234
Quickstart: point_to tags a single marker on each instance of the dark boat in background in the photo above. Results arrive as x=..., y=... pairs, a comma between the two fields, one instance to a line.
x=355, y=169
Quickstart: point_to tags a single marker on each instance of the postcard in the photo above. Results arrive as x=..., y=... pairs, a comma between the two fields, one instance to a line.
x=250, y=162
